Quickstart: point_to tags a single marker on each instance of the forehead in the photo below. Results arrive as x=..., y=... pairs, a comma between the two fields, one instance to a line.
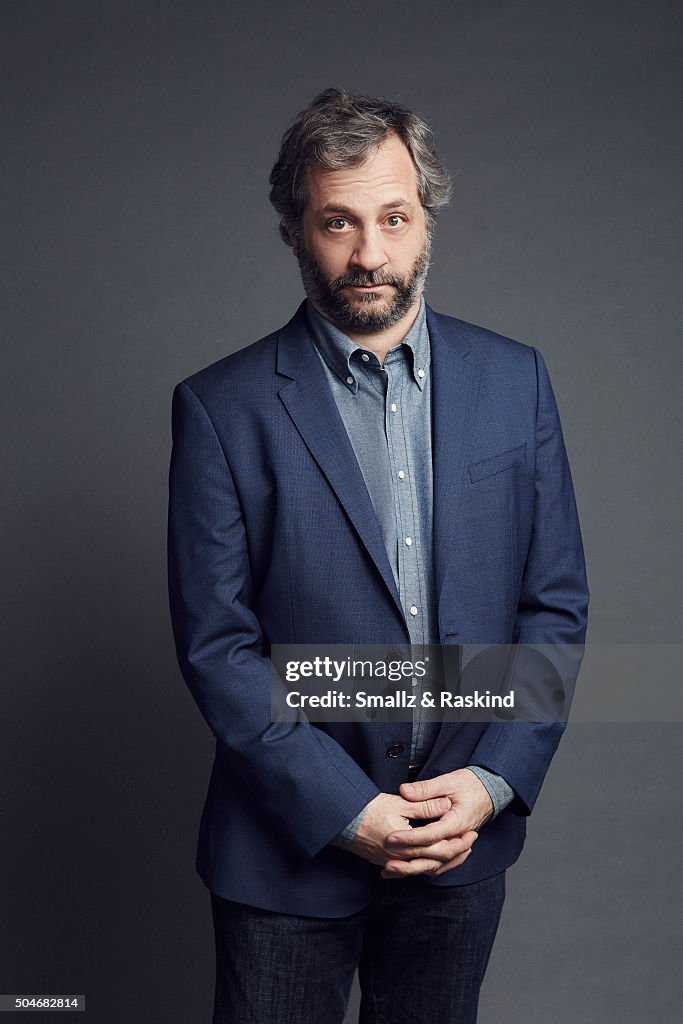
x=387, y=172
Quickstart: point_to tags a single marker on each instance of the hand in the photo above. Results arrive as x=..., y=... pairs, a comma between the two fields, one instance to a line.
x=389, y=813
x=449, y=840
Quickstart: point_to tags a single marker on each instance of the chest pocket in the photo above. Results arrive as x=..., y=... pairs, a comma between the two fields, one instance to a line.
x=497, y=463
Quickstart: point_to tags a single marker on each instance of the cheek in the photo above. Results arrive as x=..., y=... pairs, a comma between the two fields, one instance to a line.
x=332, y=258
x=404, y=251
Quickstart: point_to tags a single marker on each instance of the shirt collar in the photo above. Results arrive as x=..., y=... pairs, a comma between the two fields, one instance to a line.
x=336, y=348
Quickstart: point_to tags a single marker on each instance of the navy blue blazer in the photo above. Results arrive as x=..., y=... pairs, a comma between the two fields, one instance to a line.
x=272, y=538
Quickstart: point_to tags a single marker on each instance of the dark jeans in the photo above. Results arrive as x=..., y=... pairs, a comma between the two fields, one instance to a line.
x=421, y=953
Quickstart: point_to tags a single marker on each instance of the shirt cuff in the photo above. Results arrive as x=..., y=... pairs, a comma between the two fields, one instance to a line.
x=344, y=838
x=497, y=788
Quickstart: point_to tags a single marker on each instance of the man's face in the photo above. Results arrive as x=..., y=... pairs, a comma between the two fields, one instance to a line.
x=364, y=247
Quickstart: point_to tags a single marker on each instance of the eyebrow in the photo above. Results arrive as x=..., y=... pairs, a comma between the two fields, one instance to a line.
x=393, y=204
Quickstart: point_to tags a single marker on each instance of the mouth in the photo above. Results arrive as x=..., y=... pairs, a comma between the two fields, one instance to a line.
x=366, y=287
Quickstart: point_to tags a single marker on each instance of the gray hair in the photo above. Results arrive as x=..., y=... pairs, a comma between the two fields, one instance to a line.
x=339, y=130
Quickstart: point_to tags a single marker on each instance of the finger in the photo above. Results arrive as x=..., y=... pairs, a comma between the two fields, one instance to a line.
x=406, y=868
x=447, y=827
x=403, y=869
x=433, y=808
x=456, y=862
x=442, y=851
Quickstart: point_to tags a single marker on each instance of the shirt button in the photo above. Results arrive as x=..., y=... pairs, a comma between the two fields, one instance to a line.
x=393, y=406
x=420, y=373
x=409, y=541
x=413, y=609
x=395, y=750
x=349, y=380
x=414, y=681
x=365, y=357
x=401, y=474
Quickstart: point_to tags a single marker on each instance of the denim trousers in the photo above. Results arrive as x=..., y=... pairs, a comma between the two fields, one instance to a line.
x=421, y=953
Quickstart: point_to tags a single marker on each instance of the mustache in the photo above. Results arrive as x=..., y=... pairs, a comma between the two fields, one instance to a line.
x=364, y=278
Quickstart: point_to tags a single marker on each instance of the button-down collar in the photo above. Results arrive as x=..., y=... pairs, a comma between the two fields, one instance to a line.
x=340, y=352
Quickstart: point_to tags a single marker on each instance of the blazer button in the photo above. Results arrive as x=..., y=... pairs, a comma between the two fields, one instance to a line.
x=395, y=750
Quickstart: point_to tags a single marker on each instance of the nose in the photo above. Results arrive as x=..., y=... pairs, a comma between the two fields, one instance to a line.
x=369, y=253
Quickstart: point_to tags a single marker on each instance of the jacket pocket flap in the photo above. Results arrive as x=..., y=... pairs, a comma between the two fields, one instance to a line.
x=497, y=463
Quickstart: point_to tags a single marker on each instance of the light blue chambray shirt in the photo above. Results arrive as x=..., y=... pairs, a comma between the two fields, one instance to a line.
x=386, y=410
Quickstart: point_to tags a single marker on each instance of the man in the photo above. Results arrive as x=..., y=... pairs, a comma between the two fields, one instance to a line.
x=376, y=473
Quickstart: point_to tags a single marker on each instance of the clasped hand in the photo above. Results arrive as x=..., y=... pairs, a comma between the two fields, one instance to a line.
x=457, y=800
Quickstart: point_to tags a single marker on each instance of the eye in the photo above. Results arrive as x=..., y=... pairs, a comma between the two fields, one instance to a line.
x=394, y=221
x=338, y=224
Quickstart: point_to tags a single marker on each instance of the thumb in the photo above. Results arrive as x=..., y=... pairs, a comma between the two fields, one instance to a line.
x=433, y=808
x=424, y=789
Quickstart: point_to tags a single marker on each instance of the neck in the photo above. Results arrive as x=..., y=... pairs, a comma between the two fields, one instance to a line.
x=380, y=342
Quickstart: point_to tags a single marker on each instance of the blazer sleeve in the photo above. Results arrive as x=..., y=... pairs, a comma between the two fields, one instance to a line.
x=304, y=782
x=552, y=608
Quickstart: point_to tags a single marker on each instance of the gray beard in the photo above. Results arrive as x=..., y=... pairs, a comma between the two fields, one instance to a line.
x=328, y=297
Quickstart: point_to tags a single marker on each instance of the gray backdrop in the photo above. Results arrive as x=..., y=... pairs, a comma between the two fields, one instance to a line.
x=140, y=246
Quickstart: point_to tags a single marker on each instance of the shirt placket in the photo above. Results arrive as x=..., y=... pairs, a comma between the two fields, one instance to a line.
x=409, y=527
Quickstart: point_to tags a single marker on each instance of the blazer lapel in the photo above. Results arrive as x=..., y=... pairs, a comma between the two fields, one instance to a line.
x=455, y=390
x=311, y=405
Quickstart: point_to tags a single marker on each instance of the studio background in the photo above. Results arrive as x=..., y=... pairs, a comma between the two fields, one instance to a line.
x=140, y=246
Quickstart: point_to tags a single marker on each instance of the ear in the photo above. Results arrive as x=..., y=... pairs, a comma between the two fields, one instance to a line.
x=286, y=230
